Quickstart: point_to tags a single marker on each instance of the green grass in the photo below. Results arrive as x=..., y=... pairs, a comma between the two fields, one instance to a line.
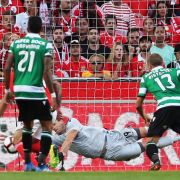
x=91, y=176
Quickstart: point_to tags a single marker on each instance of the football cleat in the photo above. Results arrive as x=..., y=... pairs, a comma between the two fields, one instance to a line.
x=30, y=167
x=156, y=166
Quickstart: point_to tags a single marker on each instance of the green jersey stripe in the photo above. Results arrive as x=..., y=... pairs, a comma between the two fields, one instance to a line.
x=26, y=95
x=25, y=88
x=167, y=98
x=168, y=104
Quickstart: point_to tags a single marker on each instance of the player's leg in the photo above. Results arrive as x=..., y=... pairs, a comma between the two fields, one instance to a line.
x=127, y=152
x=157, y=127
x=46, y=138
x=26, y=115
x=3, y=105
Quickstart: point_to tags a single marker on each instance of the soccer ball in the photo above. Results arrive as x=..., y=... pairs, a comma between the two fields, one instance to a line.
x=9, y=146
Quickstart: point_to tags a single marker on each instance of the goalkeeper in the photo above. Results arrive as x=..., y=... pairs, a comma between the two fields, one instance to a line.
x=93, y=142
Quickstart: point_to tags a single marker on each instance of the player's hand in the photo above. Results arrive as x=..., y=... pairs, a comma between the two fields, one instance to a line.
x=54, y=104
x=61, y=156
x=9, y=97
x=147, y=119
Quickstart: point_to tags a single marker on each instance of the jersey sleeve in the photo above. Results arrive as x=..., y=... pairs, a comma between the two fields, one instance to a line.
x=142, y=90
x=11, y=49
x=49, y=50
x=73, y=124
x=178, y=74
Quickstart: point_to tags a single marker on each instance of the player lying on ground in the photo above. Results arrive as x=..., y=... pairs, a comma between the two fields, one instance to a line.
x=164, y=84
x=93, y=142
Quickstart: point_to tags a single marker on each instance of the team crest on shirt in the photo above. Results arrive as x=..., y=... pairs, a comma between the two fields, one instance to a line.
x=14, y=9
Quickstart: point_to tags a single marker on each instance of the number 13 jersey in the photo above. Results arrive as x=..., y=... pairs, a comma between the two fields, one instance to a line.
x=164, y=84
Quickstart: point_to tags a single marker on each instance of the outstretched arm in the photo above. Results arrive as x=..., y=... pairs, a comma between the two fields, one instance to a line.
x=139, y=108
x=69, y=139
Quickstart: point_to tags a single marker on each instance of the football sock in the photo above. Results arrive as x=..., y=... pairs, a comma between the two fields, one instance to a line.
x=164, y=141
x=27, y=144
x=167, y=141
x=152, y=152
x=44, y=147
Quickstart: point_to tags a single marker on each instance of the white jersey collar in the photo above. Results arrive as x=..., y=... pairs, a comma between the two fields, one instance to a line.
x=32, y=35
x=156, y=68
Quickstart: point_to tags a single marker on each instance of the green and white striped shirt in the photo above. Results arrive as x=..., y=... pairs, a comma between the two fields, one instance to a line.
x=164, y=84
x=29, y=53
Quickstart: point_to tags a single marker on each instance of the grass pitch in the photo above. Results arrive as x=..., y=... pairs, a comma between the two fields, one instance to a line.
x=173, y=175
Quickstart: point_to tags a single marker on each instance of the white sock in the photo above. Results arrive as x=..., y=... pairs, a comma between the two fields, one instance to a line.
x=165, y=141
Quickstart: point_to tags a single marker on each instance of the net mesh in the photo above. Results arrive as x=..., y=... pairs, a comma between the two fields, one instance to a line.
x=114, y=35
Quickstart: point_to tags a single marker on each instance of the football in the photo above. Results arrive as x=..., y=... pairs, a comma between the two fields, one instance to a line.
x=9, y=146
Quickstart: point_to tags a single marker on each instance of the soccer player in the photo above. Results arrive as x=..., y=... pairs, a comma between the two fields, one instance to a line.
x=31, y=58
x=94, y=142
x=164, y=84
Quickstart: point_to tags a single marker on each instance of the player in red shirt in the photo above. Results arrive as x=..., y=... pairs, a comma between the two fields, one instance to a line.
x=109, y=37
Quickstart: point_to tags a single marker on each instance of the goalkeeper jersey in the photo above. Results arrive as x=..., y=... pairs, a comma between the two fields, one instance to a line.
x=29, y=53
x=164, y=84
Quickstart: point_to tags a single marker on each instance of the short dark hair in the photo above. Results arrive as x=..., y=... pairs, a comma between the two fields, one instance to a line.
x=155, y=60
x=34, y=24
x=159, y=26
x=110, y=16
x=10, y=13
x=177, y=48
x=57, y=27
x=91, y=28
x=131, y=30
x=147, y=38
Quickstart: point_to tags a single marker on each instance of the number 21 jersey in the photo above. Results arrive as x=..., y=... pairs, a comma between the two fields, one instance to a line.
x=29, y=53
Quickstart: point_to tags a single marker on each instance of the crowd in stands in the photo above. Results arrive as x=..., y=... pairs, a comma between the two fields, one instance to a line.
x=97, y=38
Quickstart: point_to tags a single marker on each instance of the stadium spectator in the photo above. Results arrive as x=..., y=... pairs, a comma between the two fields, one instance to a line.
x=94, y=46
x=175, y=64
x=125, y=17
x=91, y=11
x=138, y=66
x=160, y=47
x=148, y=28
x=116, y=63
x=140, y=8
x=132, y=44
x=64, y=17
x=4, y=51
x=96, y=68
x=77, y=64
x=61, y=51
x=44, y=11
x=82, y=29
x=109, y=37
x=22, y=18
x=15, y=6
x=8, y=23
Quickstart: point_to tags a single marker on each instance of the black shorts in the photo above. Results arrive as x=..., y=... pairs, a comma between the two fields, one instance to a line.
x=164, y=118
x=34, y=109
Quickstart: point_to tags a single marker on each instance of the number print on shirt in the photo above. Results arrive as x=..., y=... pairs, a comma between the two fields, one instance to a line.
x=26, y=57
x=169, y=80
